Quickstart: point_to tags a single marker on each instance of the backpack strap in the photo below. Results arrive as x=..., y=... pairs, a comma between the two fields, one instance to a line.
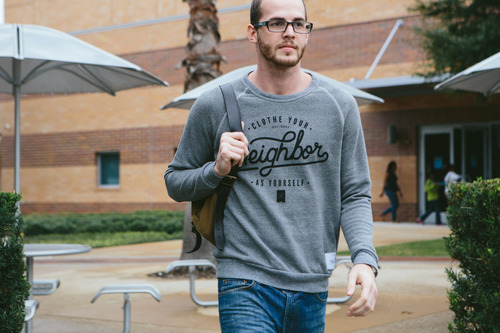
x=234, y=117
x=233, y=110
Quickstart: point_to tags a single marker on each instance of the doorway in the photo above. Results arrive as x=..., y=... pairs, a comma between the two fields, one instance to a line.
x=437, y=155
x=473, y=149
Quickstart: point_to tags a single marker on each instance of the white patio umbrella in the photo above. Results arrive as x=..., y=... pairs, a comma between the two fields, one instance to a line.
x=185, y=101
x=40, y=60
x=483, y=77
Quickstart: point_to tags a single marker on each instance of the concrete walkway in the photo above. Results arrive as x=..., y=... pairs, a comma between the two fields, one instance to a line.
x=412, y=293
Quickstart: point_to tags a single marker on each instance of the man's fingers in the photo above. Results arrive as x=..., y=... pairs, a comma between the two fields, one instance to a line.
x=237, y=139
x=234, y=153
x=351, y=284
x=365, y=304
x=239, y=147
x=233, y=150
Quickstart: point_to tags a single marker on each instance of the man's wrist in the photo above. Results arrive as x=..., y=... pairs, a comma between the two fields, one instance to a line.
x=217, y=172
x=374, y=269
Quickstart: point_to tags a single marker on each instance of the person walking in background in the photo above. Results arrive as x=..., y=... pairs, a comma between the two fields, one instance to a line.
x=431, y=189
x=450, y=178
x=391, y=189
x=303, y=175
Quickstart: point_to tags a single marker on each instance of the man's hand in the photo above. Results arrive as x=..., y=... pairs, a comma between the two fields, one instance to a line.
x=363, y=275
x=233, y=150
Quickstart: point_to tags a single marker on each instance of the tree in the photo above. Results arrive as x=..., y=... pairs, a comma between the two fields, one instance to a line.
x=203, y=58
x=458, y=33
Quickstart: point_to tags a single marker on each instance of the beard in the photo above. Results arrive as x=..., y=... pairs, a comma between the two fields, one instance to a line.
x=269, y=52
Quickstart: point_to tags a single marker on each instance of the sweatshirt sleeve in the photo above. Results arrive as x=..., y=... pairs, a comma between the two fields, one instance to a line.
x=356, y=212
x=191, y=174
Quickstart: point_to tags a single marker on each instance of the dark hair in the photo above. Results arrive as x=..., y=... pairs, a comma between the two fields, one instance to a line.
x=391, y=166
x=256, y=13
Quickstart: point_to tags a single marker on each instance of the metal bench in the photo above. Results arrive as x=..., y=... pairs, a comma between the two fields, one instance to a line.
x=30, y=306
x=127, y=289
x=44, y=287
x=192, y=264
x=348, y=263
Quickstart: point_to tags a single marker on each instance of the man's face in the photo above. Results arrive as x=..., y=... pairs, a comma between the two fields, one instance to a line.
x=284, y=49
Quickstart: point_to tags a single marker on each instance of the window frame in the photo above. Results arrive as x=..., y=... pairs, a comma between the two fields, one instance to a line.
x=99, y=156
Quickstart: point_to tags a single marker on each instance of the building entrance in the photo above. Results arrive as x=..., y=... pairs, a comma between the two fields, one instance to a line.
x=473, y=150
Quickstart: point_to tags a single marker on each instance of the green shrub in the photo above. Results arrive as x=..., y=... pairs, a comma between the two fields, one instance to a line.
x=14, y=288
x=474, y=219
x=65, y=223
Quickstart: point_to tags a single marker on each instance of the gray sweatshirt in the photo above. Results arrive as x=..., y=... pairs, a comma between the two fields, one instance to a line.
x=306, y=176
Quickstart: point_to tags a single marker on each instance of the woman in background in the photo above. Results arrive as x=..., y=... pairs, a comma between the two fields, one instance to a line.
x=391, y=189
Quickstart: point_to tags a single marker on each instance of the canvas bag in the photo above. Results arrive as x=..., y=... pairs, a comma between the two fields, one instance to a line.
x=208, y=214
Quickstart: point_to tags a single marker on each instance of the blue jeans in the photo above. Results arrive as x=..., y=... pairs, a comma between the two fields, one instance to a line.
x=433, y=207
x=250, y=307
x=393, y=198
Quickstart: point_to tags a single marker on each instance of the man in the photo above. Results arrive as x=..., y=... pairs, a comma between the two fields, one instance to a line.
x=303, y=175
x=432, y=192
x=451, y=178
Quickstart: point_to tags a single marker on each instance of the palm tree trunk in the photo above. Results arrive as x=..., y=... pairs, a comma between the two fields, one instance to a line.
x=203, y=58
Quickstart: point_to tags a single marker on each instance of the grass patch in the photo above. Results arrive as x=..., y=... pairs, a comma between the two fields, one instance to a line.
x=428, y=248
x=104, y=239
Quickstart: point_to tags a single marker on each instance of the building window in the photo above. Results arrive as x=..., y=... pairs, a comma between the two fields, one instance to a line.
x=108, y=168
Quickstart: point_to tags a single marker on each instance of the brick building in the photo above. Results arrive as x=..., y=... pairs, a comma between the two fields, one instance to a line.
x=72, y=144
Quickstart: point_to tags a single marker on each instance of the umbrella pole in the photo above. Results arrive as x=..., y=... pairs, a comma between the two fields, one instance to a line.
x=17, y=127
x=17, y=142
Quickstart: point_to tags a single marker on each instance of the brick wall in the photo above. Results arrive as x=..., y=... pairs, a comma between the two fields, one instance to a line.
x=73, y=207
x=125, y=26
x=331, y=48
x=136, y=146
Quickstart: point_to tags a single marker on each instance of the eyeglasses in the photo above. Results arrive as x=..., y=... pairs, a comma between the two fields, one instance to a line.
x=300, y=27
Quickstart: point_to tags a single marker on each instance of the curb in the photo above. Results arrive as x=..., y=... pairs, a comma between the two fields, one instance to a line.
x=420, y=258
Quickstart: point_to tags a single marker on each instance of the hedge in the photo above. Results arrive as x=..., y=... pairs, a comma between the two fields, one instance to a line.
x=14, y=288
x=474, y=219
x=69, y=223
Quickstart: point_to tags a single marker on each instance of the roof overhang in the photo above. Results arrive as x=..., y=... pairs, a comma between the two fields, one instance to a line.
x=397, y=86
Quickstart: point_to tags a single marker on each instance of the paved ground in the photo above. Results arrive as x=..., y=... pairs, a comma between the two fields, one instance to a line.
x=412, y=293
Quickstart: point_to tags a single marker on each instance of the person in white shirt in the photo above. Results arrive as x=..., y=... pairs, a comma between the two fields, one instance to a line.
x=450, y=178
